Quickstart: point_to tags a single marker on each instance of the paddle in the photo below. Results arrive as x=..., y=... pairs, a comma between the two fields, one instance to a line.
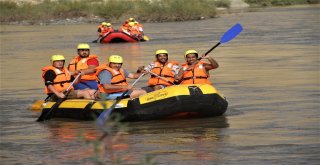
x=146, y=38
x=99, y=38
x=162, y=78
x=45, y=116
x=103, y=117
x=227, y=36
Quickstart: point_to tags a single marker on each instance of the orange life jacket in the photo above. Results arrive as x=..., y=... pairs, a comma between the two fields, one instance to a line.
x=62, y=80
x=78, y=63
x=140, y=27
x=118, y=78
x=163, y=71
x=104, y=30
x=134, y=30
x=196, y=76
x=124, y=27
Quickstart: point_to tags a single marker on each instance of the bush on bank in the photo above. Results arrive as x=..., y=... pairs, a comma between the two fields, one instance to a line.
x=110, y=10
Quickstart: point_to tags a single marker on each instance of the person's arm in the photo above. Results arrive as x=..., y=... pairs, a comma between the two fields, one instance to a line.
x=175, y=69
x=105, y=79
x=132, y=75
x=58, y=94
x=110, y=86
x=49, y=79
x=213, y=63
x=92, y=64
x=178, y=77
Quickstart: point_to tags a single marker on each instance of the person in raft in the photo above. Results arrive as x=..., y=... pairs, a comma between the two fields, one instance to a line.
x=131, y=26
x=112, y=79
x=57, y=80
x=84, y=63
x=166, y=70
x=104, y=28
x=124, y=27
x=195, y=71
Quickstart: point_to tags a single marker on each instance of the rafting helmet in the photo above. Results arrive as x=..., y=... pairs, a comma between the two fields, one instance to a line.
x=131, y=23
x=83, y=46
x=161, y=51
x=115, y=59
x=108, y=24
x=104, y=23
x=191, y=52
x=132, y=19
x=57, y=57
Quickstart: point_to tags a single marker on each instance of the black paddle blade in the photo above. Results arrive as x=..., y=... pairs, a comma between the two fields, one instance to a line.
x=47, y=114
x=42, y=117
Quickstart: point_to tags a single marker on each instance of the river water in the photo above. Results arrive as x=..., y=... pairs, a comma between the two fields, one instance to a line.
x=270, y=75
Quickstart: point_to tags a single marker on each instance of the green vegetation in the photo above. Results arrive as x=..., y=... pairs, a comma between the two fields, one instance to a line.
x=111, y=148
x=110, y=10
x=117, y=11
x=265, y=3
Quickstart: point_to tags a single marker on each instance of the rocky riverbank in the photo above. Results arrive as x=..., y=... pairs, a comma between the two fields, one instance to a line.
x=69, y=18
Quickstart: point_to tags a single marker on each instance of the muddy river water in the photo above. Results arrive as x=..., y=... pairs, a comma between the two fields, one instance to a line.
x=270, y=75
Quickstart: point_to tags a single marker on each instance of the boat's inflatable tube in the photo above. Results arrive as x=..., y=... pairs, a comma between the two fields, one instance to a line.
x=199, y=100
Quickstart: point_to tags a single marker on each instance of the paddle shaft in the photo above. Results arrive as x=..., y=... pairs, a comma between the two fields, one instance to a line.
x=227, y=36
x=44, y=116
x=212, y=48
x=216, y=45
x=73, y=82
x=100, y=37
x=105, y=114
x=164, y=79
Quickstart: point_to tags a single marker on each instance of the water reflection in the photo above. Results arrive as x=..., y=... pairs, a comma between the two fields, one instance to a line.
x=67, y=131
x=183, y=140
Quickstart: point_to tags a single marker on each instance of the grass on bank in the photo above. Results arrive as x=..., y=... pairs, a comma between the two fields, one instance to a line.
x=111, y=10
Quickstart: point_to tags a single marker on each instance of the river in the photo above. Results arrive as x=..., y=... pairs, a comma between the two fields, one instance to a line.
x=270, y=75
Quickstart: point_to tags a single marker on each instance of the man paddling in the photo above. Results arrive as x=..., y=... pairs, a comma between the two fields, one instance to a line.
x=58, y=79
x=84, y=63
x=195, y=71
x=166, y=70
x=112, y=79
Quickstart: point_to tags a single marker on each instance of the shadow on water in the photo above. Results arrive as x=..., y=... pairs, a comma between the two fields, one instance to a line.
x=197, y=126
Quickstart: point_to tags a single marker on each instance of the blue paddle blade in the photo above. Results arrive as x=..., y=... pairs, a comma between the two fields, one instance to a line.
x=103, y=117
x=231, y=33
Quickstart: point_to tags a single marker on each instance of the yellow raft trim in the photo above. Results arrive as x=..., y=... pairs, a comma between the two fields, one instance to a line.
x=168, y=92
x=82, y=103
x=174, y=90
x=108, y=103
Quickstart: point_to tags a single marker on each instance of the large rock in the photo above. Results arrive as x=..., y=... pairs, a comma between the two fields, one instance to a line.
x=238, y=4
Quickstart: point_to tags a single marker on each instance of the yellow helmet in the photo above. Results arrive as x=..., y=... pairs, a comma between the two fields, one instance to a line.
x=131, y=23
x=115, y=59
x=57, y=57
x=108, y=24
x=132, y=19
x=161, y=51
x=83, y=46
x=190, y=52
x=104, y=23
